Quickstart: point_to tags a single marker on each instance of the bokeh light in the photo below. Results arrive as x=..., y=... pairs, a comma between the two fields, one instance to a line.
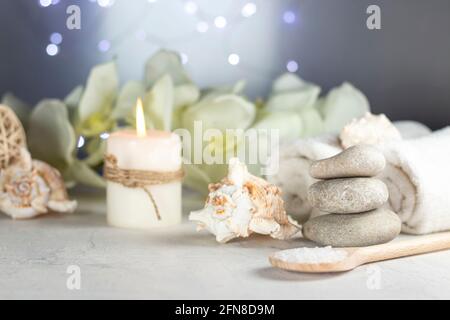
x=56, y=38
x=202, y=26
x=80, y=142
x=289, y=17
x=220, y=22
x=104, y=45
x=184, y=58
x=190, y=7
x=292, y=66
x=103, y=136
x=233, y=59
x=105, y=3
x=248, y=10
x=45, y=3
x=141, y=35
x=52, y=49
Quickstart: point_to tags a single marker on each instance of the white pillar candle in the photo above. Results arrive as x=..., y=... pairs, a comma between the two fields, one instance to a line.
x=132, y=207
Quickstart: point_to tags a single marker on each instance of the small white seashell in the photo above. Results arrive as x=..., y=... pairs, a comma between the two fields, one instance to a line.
x=370, y=129
x=242, y=204
x=29, y=188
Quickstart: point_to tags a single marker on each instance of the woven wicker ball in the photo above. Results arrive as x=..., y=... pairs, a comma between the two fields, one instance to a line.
x=12, y=136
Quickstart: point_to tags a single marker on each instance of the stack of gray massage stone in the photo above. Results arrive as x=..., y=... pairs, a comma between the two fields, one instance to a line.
x=353, y=199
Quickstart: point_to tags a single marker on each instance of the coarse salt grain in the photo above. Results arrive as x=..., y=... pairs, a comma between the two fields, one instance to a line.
x=312, y=255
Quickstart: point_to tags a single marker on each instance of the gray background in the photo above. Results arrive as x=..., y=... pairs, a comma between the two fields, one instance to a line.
x=404, y=69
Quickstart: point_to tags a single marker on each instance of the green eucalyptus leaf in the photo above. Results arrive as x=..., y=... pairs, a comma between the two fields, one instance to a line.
x=72, y=102
x=239, y=87
x=220, y=112
x=319, y=106
x=196, y=179
x=162, y=63
x=214, y=172
x=288, y=124
x=214, y=92
x=95, y=149
x=341, y=105
x=185, y=94
x=246, y=146
x=291, y=93
x=80, y=172
x=100, y=93
x=287, y=82
x=126, y=101
x=312, y=122
x=158, y=104
x=21, y=109
x=220, y=148
x=96, y=124
x=177, y=117
x=51, y=137
x=289, y=127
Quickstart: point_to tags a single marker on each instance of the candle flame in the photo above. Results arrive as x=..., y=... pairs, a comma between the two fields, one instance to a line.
x=140, y=120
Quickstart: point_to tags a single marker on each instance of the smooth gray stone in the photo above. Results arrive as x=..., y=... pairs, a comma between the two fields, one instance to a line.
x=356, y=161
x=353, y=230
x=350, y=195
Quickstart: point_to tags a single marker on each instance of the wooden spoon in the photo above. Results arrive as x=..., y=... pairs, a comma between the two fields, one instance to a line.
x=359, y=256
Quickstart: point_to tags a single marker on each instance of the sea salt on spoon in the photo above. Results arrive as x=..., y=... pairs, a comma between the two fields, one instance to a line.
x=328, y=259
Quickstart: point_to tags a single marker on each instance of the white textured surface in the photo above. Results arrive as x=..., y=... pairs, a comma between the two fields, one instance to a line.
x=177, y=262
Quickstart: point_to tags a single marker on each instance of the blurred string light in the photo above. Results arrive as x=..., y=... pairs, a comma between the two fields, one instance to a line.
x=220, y=22
x=103, y=136
x=52, y=49
x=104, y=45
x=56, y=38
x=202, y=26
x=234, y=59
x=248, y=10
x=184, y=58
x=141, y=35
x=80, y=142
x=105, y=3
x=292, y=66
x=190, y=7
x=289, y=17
x=45, y=3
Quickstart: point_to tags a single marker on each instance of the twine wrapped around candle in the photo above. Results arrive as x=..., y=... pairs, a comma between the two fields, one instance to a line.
x=139, y=178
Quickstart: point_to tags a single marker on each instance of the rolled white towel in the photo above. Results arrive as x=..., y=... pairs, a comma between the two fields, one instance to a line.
x=412, y=129
x=295, y=159
x=293, y=175
x=418, y=179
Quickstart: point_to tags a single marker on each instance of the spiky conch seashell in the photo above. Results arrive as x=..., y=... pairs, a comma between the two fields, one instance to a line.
x=370, y=129
x=28, y=188
x=242, y=204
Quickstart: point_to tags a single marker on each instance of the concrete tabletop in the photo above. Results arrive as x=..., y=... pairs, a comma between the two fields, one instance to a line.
x=38, y=257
